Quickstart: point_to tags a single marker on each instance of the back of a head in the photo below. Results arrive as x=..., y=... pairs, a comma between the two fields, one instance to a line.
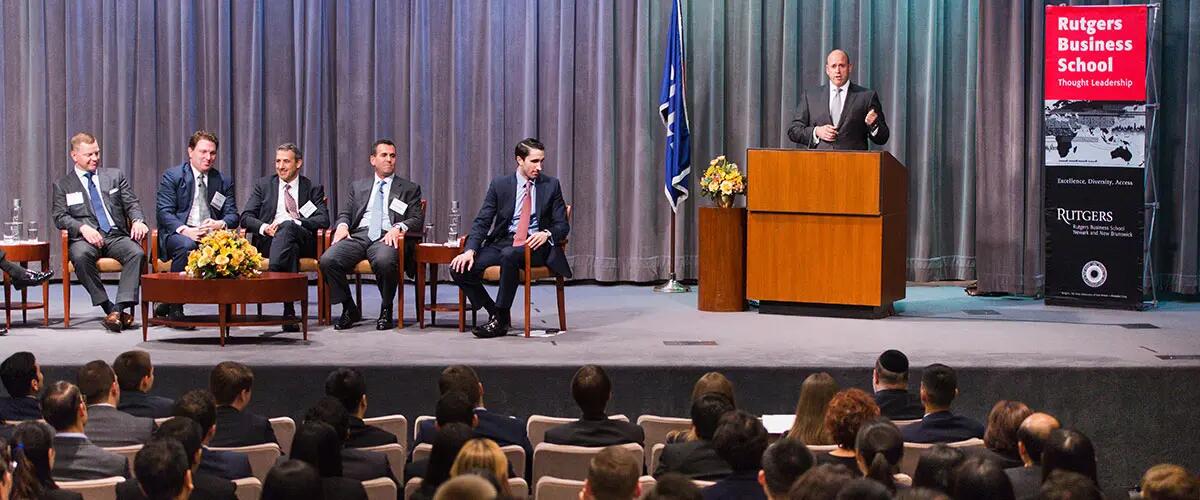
x=864, y=489
x=131, y=367
x=461, y=378
x=228, y=379
x=784, y=462
x=446, y=445
x=822, y=482
x=1002, y=424
x=935, y=468
x=881, y=446
x=60, y=404
x=1067, y=485
x=674, y=486
x=198, y=405
x=916, y=493
x=465, y=487
x=184, y=430
x=348, y=385
x=740, y=441
x=980, y=478
x=31, y=443
x=161, y=467
x=714, y=382
x=613, y=474
x=95, y=380
x=940, y=383
x=317, y=444
x=454, y=407
x=292, y=480
x=330, y=411
x=1169, y=482
x=481, y=454
x=17, y=372
x=591, y=388
x=892, y=367
x=707, y=411
x=815, y=393
x=1033, y=433
x=1069, y=449
x=848, y=411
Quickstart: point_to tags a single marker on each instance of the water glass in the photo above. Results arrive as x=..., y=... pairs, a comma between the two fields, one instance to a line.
x=429, y=236
x=12, y=231
x=31, y=231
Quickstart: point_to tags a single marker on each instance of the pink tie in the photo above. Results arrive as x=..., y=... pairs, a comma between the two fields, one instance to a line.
x=523, y=224
x=289, y=203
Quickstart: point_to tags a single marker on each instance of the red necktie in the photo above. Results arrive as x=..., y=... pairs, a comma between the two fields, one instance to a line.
x=523, y=224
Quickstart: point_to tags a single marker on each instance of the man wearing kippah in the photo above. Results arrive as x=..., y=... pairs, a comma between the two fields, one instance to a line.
x=890, y=381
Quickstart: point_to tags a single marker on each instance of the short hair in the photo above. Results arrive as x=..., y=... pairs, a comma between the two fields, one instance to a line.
x=740, y=441
x=613, y=474
x=82, y=138
x=292, y=480
x=1033, y=433
x=1069, y=449
x=161, y=467
x=348, y=385
x=330, y=411
x=291, y=146
x=60, y=404
x=977, y=477
x=318, y=444
x=461, y=378
x=453, y=407
x=591, y=389
x=714, y=382
x=448, y=441
x=1169, y=482
x=131, y=367
x=526, y=145
x=465, y=487
x=674, y=486
x=847, y=411
x=95, y=380
x=935, y=467
x=920, y=493
x=202, y=135
x=1002, y=424
x=881, y=446
x=707, y=412
x=228, y=379
x=18, y=372
x=892, y=367
x=940, y=383
x=198, y=405
x=864, y=489
x=380, y=142
x=783, y=463
x=186, y=431
x=1068, y=485
x=822, y=482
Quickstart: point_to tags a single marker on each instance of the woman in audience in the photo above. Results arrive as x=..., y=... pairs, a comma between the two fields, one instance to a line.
x=293, y=480
x=33, y=452
x=483, y=454
x=709, y=382
x=935, y=469
x=982, y=479
x=809, y=425
x=318, y=445
x=446, y=445
x=1000, y=438
x=6, y=471
x=878, y=448
x=847, y=411
x=1069, y=449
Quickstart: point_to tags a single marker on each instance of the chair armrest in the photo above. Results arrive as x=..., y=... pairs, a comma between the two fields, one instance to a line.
x=66, y=261
x=154, y=249
x=321, y=242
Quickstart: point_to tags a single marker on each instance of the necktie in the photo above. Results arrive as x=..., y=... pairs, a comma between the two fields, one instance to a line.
x=836, y=108
x=97, y=206
x=289, y=202
x=523, y=224
x=375, y=230
x=201, y=201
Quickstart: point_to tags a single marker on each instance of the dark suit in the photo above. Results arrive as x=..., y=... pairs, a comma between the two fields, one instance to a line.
x=502, y=429
x=596, y=432
x=291, y=241
x=173, y=204
x=343, y=488
x=365, y=436
x=107, y=427
x=77, y=459
x=362, y=465
x=492, y=240
x=1026, y=481
x=205, y=486
x=123, y=207
x=852, y=127
x=241, y=428
x=10, y=267
x=899, y=404
x=942, y=427
x=60, y=494
x=694, y=459
x=226, y=464
x=22, y=408
x=1004, y=461
x=737, y=486
x=140, y=404
x=340, y=259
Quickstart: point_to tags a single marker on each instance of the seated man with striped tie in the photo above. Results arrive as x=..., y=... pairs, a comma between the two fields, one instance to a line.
x=103, y=218
x=283, y=215
x=525, y=208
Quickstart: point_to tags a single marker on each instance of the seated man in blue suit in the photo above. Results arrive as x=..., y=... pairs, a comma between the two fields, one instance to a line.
x=200, y=406
x=193, y=199
x=502, y=429
x=939, y=387
x=22, y=378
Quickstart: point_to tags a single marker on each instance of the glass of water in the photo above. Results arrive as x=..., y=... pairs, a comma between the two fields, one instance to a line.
x=31, y=231
x=11, y=231
x=429, y=236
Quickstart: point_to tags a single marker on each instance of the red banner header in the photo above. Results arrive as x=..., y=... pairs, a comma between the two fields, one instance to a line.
x=1096, y=53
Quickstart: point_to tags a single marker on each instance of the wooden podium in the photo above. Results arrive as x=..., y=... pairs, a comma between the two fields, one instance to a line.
x=826, y=232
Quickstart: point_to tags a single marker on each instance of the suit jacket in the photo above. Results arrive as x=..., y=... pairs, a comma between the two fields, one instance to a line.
x=353, y=209
x=898, y=404
x=362, y=465
x=60, y=494
x=205, y=486
x=1004, y=461
x=107, y=426
x=260, y=209
x=140, y=404
x=502, y=429
x=22, y=408
x=942, y=427
x=173, y=201
x=496, y=215
x=852, y=129
x=77, y=459
x=596, y=432
x=115, y=192
x=1026, y=481
x=343, y=488
x=225, y=464
x=241, y=428
x=365, y=436
x=694, y=459
x=737, y=486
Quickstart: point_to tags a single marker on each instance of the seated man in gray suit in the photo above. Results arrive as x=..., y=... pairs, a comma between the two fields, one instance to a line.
x=75, y=457
x=698, y=459
x=106, y=425
x=135, y=376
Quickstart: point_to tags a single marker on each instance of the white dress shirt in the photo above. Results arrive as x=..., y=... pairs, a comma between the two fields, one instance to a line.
x=281, y=213
x=367, y=216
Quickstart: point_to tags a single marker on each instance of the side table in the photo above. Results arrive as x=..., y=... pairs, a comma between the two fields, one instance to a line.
x=431, y=255
x=24, y=253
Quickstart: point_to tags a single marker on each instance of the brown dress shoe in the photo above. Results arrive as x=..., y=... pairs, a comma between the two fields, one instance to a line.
x=113, y=321
x=126, y=320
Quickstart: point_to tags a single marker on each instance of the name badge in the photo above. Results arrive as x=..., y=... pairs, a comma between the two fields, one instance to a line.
x=308, y=209
x=74, y=199
x=399, y=206
x=218, y=200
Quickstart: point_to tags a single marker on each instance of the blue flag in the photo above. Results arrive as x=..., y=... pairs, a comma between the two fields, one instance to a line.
x=673, y=110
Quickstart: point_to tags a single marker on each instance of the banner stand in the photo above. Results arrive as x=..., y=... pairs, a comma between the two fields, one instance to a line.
x=1153, y=60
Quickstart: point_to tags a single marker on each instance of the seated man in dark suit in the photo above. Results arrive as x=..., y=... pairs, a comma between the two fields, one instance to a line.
x=1031, y=440
x=106, y=425
x=698, y=459
x=452, y=408
x=502, y=429
x=840, y=115
x=349, y=386
x=890, y=381
x=939, y=387
x=592, y=389
x=360, y=465
x=283, y=215
x=205, y=486
x=740, y=441
x=200, y=406
x=782, y=464
x=75, y=457
x=22, y=378
x=232, y=384
x=612, y=474
x=135, y=376
x=163, y=472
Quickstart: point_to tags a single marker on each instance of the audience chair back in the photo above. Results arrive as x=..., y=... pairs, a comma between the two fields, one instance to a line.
x=537, y=425
x=262, y=457
x=656, y=429
x=572, y=462
x=913, y=452
x=248, y=488
x=126, y=451
x=94, y=489
x=417, y=426
x=656, y=452
x=519, y=488
x=647, y=483
x=515, y=455
x=285, y=432
x=395, y=424
x=553, y=488
x=817, y=449
x=421, y=452
x=104, y=264
x=380, y=488
x=703, y=484
x=411, y=487
x=902, y=423
x=395, y=457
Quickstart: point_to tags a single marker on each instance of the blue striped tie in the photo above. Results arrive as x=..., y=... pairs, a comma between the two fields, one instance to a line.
x=97, y=206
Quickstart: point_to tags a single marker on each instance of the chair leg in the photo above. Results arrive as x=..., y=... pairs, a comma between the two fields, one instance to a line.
x=66, y=286
x=358, y=290
x=562, y=304
x=528, y=289
x=259, y=309
x=462, y=311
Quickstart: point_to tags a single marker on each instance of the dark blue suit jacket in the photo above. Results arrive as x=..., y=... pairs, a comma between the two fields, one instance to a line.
x=942, y=427
x=737, y=486
x=22, y=408
x=227, y=464
x=174, y=200
x=497, y=212
x=899, y=404
x=140, y=404
x=502, y=429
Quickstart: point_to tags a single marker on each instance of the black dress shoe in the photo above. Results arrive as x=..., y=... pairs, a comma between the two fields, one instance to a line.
x=385, y=320
x=162, y=310
x=291, y=327
x=497, y=327
x=177, y=315
x=31, y=278
x=350, y=316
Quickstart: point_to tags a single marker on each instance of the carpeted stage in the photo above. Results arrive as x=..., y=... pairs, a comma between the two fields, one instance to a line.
x=1129, y=380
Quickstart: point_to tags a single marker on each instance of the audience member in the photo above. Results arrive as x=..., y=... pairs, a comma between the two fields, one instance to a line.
x=106, y=425
x=483, y=454
x=466, y=487
x=6, y=471
x=200, y=406
x=889, y=380
x=920, y=494
x=135, y=376
x=1000, y=438
x=809, y=424
x=740, y=441
x=452, y=408
x=502, y=429
x=698, y=459
x=1069, y=449
x=76, y=458
x=1067, y=485
x=878, y=448
x=293, y=480
x=1169, y=482
x=446, y=445
x=935, y=468
x=22, y=378
x=592, y=389
x=1031, y=440
x=848, y=410
x=783, y=463
x=162, y=470
x=231, y=384
x=612, y=475
x=709, y=382
x=822, y=482
x=864, y=489
x=317, y=444
x=674, y=486
x=33, y=454
x=979, y=478
x=357, y=464
x=939, y=387
x=349, y=386
x=205, y=486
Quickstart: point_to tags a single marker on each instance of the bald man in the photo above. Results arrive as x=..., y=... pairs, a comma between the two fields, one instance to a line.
x=840, y=114
x=1031, y=438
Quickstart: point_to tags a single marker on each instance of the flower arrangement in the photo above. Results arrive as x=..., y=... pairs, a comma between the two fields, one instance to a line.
x=223, y=254
x=721, y=181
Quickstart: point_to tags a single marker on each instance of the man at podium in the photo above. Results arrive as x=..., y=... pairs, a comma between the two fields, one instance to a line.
x=840, y=115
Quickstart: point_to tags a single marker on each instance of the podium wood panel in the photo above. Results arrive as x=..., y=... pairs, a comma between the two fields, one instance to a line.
x=722, y=259
x=828, y=182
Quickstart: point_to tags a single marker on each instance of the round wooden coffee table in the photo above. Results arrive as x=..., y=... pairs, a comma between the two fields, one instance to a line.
x=431, y=255
x=24, y=253
x=268, y=287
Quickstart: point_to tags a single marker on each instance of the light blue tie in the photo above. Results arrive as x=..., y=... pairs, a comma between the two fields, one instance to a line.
x=375, y=230
x=97, y=206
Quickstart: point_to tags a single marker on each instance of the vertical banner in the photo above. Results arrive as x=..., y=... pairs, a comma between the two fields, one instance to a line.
x=1095, y=130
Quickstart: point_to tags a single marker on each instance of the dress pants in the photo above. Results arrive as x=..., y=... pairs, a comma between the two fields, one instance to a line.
x=290, y=243
x=119, y=246
x=339, y=260
x=12, y=268
x=511, y=261
x=177, y=249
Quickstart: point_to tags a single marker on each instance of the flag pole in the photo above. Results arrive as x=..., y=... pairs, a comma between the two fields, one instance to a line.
x=673, y=111
x=672, y=286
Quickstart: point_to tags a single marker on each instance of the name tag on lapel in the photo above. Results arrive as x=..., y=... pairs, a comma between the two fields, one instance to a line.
x=218, y=200
x=399, y=206
x=308, y=209
x=74, y=199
